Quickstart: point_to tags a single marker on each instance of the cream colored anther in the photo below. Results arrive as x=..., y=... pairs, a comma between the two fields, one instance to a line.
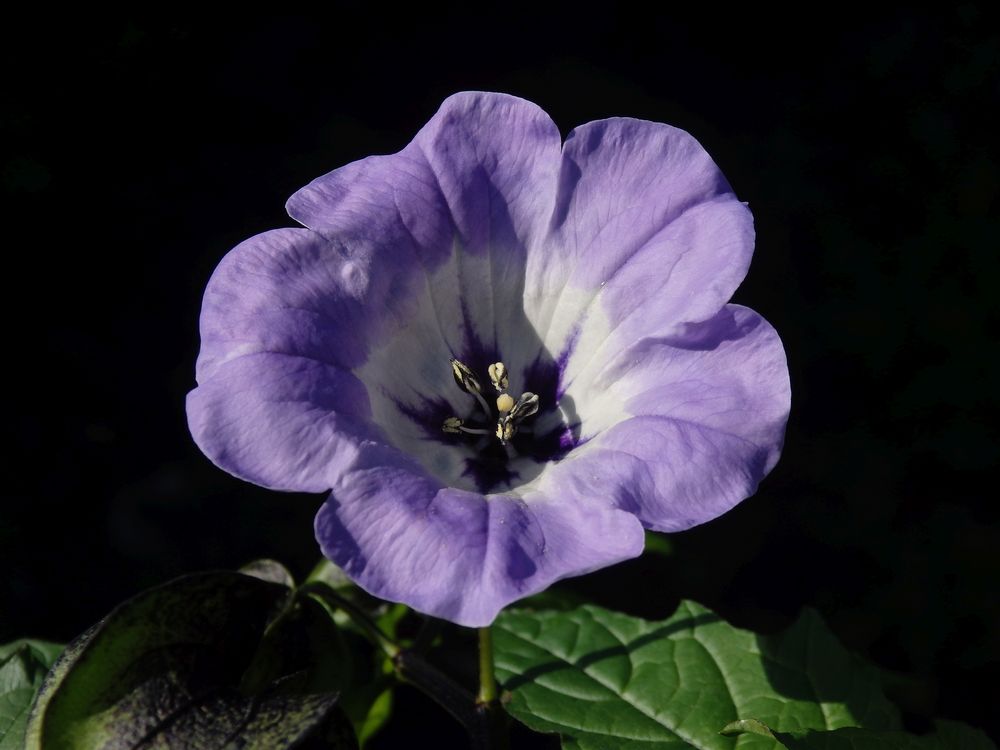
x=498, y=376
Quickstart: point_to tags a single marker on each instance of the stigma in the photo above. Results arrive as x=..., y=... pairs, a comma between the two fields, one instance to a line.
x=509, y=413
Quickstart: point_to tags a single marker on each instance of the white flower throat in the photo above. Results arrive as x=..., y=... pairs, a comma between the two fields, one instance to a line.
x=509, y=413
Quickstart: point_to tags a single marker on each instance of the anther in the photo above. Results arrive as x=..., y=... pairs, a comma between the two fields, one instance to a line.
x=526, y=405
x=505, y=429
x=508, y=423
x=452, y=425
x=464, y=377
x=498, y=376
x=468, y=383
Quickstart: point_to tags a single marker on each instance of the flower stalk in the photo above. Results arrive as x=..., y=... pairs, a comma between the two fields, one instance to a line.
x=493, y=719
x=487, y=679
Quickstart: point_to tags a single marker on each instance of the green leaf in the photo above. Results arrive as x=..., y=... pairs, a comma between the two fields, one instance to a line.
x=23, y=664
x=555, y=597
x=210, y=660
x=747, y=726
x=42, y=652
x=606, y=680
x=269, y=570
x=850, y=738
x=328, y=573
x=948, y=735
x=379, y=710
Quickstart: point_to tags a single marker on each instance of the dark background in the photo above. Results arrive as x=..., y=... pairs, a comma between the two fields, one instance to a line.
x=135, y=152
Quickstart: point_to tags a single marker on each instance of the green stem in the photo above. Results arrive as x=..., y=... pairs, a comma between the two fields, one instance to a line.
x=492, y=731
x=487, y=680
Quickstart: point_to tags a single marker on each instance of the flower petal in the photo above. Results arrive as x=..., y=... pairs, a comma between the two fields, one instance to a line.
x=460, y=556
x=646, y=231
x=295, y=292
x=687, y=424
x=474, y=189
x=391, y=202
x=281, y=421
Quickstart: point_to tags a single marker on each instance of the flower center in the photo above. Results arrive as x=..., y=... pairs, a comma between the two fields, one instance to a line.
x=507, y=421
x=509, y=413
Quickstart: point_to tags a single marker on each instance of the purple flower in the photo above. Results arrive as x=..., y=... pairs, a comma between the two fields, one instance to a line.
x=503, y=355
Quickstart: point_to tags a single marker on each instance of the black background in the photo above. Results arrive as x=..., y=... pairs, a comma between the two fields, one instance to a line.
x=136, y=151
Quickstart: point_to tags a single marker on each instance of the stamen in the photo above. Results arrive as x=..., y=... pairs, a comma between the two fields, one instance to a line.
x=508, y=423
x=464, y=377
x=468, y=383
x=526, y=405
x=498, y=376
x=505, y=429
x=474, y=430
x=454, y=425
x=482, y=403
